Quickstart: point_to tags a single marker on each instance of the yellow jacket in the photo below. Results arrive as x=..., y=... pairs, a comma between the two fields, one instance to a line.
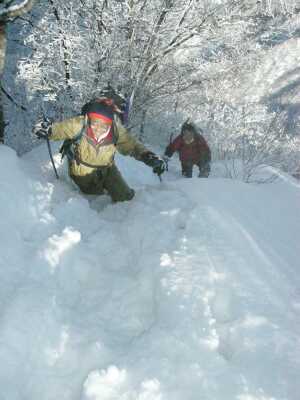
x=91, y=156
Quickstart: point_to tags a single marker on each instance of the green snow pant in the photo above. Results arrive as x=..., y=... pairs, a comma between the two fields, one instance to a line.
x=102, y=180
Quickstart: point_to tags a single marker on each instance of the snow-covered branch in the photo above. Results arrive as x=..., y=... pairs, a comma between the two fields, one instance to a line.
x=16, y=10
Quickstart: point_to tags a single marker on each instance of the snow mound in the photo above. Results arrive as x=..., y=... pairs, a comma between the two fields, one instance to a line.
x=189, y=291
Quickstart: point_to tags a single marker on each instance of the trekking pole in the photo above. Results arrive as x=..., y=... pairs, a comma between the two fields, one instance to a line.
x=49, y=149
x=167, y=158
x=51, y=157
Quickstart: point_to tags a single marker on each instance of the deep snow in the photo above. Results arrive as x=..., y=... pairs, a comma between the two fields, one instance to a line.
x=190, y=291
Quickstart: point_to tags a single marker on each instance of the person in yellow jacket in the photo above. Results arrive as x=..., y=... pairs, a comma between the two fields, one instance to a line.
x=92, y=141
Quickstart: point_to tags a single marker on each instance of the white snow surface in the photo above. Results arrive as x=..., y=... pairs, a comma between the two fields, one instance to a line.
x=191, y=291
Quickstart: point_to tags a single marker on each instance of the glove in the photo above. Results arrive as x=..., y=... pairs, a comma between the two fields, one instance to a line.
x=168, y=152
x=158, y=165
x=43, y=128
x=166, y=161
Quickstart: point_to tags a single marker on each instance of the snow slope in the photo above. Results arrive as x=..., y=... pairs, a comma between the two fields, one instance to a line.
x=190, y=291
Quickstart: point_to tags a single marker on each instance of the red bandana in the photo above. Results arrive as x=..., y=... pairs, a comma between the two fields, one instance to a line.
x=100, y=116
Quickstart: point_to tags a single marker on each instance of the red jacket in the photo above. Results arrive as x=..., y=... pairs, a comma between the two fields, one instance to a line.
x=195, y=152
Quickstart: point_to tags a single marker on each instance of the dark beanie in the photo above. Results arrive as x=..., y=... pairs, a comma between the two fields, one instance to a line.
x=187, y=126
x=98, y=110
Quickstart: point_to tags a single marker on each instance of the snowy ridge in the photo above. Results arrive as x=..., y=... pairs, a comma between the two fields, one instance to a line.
x=190, y=291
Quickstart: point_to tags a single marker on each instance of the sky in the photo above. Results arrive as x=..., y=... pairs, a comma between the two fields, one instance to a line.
x=191, y=291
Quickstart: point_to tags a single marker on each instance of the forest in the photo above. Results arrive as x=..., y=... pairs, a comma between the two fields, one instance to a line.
x=204, y=60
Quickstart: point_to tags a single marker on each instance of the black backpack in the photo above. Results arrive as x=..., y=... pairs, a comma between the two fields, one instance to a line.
x=117, y=97
x=68, y=146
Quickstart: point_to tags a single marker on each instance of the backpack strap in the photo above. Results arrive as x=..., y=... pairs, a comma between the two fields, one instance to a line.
x=115, y=130
x=67, y=148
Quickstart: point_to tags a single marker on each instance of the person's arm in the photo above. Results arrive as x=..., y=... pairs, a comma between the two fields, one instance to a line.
x=204, y=148
x=128, y=145
x=66, y=129
x=173, y=146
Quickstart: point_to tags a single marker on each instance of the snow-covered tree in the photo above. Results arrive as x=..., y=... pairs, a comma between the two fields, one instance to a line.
x=7, y=12
x=174, y=58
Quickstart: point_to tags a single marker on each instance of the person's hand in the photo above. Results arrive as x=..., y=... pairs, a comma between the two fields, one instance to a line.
x=42, y=128
x=159, y=166
x=166, y=161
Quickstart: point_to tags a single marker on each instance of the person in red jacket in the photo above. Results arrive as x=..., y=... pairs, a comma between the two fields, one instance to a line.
x=193, y=150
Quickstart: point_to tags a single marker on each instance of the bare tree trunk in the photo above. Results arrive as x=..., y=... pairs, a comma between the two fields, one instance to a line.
x=5, y=15
x=16, y=11
x=2, y=123
x=2, y=58
x=142, y=126
x=66, y=58
x=2, y=46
